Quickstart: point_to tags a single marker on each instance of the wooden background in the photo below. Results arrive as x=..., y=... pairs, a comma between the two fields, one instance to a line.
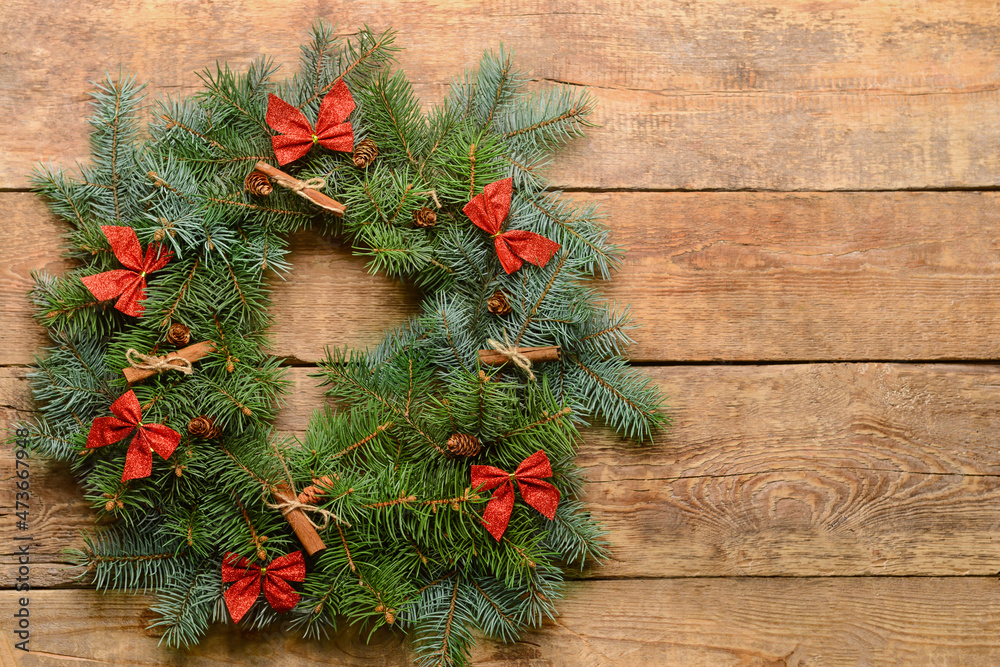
x=809, y=193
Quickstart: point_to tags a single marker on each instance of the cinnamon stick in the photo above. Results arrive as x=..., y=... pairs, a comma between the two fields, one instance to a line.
x=534, y=354
x=304, y=530
x=192, y=353
x=294, y=184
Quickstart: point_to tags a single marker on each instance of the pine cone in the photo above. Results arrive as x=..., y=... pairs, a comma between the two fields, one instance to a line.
x=497, y=303
x=364, y=153
x=258, y=184
x=463, y=444
x=166, y=227
x=316, y=490
x=178, y=335
x=204, y=427
x=425, y=217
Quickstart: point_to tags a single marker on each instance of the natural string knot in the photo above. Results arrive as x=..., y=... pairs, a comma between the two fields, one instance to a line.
x=298, y=187
x=148, y=362
x=512, y=353
x=288, y=506
x=311, y=184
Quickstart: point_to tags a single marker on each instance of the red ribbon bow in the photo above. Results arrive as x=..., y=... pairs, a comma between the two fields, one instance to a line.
x=297, y=134
x=130, y=283
x=488, y=212
x=538, y=493
x=148, y=437
x=249, y=577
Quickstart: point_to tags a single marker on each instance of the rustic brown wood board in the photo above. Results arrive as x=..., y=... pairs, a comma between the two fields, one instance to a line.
x=807, y=192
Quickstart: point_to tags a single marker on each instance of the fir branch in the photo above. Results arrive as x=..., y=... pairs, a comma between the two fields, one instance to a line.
x=406, y=193
x=114, y=149
x=402, y=500
x=257, y=207
x=451, y=343
x=383, y=41
x=567, y=225
x=396, y=126
x=547, y=419
x=363, y=441
x=160, y=183
x=541, y=298
x=168, y=316
x=347, y=551
x=255, y=538
x=507, y=619
x=502, y=82
x=572, y=113
x=445, y=659
x=472, y=170
x=172, y=122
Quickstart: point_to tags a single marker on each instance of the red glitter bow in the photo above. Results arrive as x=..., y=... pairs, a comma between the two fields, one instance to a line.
x=130, y=283
x=297, y=134
x=488, y=212
x=148, y=438
x=249, y=578
x=538, y=493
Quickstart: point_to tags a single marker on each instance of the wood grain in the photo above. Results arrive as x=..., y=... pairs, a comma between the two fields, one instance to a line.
x=781, y=95
x=814, y=469
x=785, y=471
x=361, y=307
x=711, y=276
x=731, y=621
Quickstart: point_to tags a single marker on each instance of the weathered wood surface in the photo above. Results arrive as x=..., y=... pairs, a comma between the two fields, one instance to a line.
x=812, y=469
x=784, y=94
x=803, y=475
x=711, y=276
x=729, y=621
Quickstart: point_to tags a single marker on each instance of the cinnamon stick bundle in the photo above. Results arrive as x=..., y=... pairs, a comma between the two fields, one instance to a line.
x=301, y=525
x=192, y=353
x=297, y=186
x=534, y=354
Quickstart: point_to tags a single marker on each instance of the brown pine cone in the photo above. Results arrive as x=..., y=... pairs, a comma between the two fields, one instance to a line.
x=178, y=335
x=425, y=217
x=364, y=153
x=204, y=427
x=258, y=184
x=316, y=490
x=463, y=444
x=497, y=304
x=166, y=228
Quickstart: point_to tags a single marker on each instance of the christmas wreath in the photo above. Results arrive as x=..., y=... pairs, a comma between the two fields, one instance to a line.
x=441, y=494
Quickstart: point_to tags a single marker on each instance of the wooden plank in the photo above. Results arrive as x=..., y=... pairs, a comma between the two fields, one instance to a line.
x=732, y=621
x=818, y=469
x=786, y=94
x=361, y=307
x=30, y=240
x=766, y=276
x=711, y=276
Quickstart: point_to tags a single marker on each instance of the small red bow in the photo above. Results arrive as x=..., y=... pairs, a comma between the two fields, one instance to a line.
x=539, y=494
x=148, y=437
x=248, y=577
x=488, y=212
x=130, y=282
x=297, y=134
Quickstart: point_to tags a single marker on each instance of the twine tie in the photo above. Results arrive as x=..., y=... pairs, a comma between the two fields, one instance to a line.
x=513, y=354
x=149, y=362
x=288, y=506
